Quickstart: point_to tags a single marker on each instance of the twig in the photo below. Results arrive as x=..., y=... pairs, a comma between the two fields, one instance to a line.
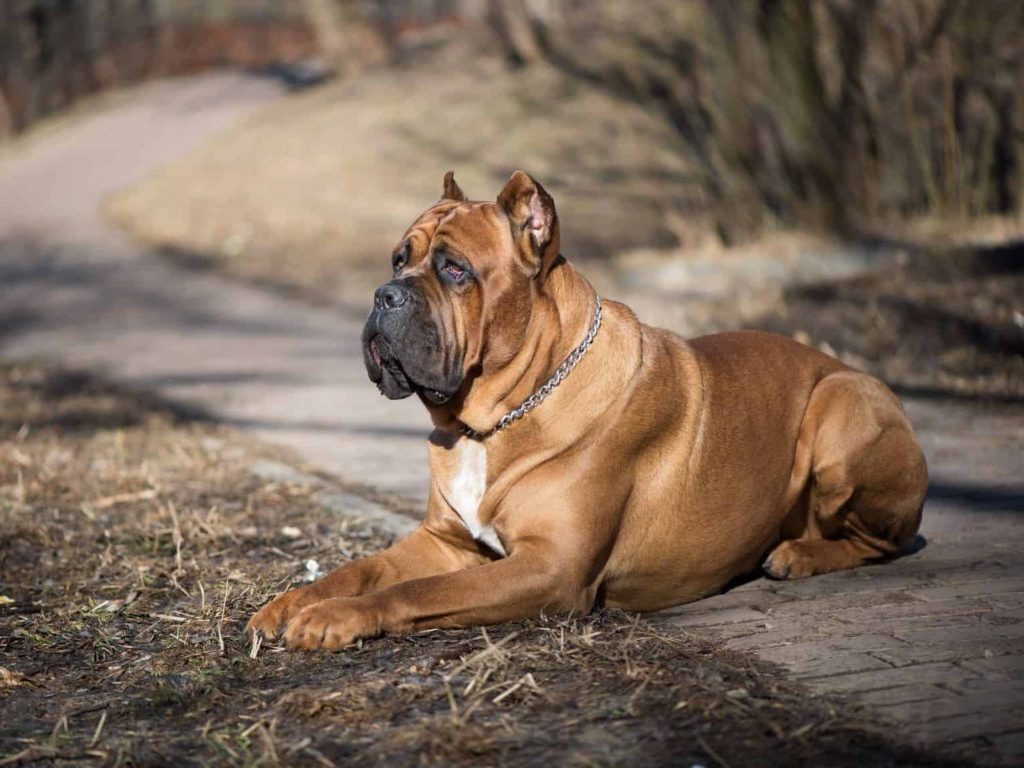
x=41, y=752
x=92, y=707
x=168, y=617
x=99, y=729
x=719, y=760
x=22, y=609
x=62, y=722
x=123, y=498
x=526, y=680
x=223, y=611
x=480, y=655
x=451, y=700
x=266, y=733
x=257, y=643
x=176, y=538
x=508, y=692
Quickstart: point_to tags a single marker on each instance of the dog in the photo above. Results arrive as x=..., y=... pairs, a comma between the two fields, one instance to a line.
x=580, y=457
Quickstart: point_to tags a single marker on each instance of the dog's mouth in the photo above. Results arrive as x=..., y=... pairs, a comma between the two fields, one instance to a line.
x=434, y=396
x=385, y=369
x=393, y=381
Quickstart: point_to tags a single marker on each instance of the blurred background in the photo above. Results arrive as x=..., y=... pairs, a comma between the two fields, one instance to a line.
x=848, y=172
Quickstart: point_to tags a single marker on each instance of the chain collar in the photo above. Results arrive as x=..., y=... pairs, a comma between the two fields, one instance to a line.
x=557, y=378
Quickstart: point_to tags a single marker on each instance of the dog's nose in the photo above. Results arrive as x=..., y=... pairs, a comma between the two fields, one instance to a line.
x=390, y=296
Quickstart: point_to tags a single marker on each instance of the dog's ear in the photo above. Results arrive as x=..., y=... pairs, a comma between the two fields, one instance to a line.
x=531, y=213
x=452, y=191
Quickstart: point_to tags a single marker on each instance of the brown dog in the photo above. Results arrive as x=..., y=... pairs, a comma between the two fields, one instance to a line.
x=631, y=468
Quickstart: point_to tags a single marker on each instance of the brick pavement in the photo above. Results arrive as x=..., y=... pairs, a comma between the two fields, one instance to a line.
x=933, y=641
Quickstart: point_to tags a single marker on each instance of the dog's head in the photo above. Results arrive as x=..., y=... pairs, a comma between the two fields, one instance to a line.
x=466, y=275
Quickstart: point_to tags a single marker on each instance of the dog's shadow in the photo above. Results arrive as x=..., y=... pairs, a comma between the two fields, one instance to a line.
x=919, y=543
x=915, y=546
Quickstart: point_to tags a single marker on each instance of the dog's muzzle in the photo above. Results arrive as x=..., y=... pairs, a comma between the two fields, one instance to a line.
x=402, y=346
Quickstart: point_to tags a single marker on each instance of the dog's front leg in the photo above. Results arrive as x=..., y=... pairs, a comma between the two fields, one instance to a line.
x=432, y=549
x=525, y=584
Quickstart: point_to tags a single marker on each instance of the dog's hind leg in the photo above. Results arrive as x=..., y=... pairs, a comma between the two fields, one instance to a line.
x=868, y=480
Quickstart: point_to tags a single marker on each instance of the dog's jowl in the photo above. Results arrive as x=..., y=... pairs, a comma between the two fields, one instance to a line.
x=579, y=455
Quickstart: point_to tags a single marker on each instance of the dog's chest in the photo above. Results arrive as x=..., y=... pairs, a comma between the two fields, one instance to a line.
x=466, y=490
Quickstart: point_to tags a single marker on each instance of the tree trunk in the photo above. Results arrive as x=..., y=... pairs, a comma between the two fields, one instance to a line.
x=348, y=41
x=517, y=32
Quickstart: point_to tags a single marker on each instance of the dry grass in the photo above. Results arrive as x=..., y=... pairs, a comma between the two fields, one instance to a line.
x=135, y=544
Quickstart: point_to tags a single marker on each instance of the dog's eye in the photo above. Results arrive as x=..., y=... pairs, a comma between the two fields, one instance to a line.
x=400, y=257
x=454, y=271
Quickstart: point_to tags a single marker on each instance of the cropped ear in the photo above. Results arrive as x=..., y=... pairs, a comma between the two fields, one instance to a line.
x=451, y=189
x=531, y=213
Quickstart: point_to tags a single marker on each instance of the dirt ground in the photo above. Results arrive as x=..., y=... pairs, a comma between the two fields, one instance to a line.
x=937, y=326
x=135, y=544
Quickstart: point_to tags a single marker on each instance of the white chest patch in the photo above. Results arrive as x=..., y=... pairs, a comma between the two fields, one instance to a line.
x=467, y=489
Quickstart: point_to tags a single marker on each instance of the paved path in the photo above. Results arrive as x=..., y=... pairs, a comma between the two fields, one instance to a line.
x=74, y=290
x=935, y=640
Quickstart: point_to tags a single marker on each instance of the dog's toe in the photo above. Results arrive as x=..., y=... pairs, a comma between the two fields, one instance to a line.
x=775, y=570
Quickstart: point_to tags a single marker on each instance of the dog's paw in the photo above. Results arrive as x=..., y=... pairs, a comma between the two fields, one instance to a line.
x=332, y=624
x=788, y=561
x=271, y=619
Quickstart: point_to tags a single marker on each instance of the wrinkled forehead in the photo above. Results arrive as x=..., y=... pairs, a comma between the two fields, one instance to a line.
x=468, y=227
x=418, y=237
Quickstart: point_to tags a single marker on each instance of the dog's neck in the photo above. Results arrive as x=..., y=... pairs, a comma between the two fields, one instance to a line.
x=562, y=315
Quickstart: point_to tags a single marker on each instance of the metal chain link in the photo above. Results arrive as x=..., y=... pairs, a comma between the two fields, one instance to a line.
x=557, y=378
